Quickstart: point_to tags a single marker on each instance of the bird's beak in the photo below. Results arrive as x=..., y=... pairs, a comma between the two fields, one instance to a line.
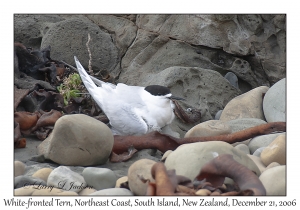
x=176, y=98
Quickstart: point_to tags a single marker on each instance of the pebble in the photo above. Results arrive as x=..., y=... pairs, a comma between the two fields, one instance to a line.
x=203, y=192
x=21, y=181
x=121, y=180
x=261, y=141
x=64, y=178
x=274, y=180
x=209, y=128
x=43, y=173
x=78, y=140
x=188, y=159
x=140, y=168
x=258, y=162
x=243, y=147
x=247, y=105
x=19, y=168
x=275, y=152
x=258, y=152
x=54, y=191
x=113, y=191
x=274, y=103
x=99, y=178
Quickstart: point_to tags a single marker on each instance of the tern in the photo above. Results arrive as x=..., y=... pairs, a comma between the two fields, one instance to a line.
x=131, y=110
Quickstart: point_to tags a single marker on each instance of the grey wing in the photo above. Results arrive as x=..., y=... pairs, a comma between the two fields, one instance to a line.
x=101, y=83
x=127, y=122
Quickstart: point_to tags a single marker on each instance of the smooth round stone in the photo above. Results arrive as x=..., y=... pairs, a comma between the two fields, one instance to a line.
x=22, y=181
x=203, y=192
x=258, y=162
x=218, y=114
x=140, y=168
x=274, y=103
x=64, y=178
x=243, y=147
x=121, y=180
x=209, y=128
x=164, y=157
x=43, y=173
x=274, y=180
x=87, y=191
x=258, y=152
x=233, y=79
x=247, y=105
x=78, y=140
x=188, y=159
x=113, y=191
x=261, y=141
x=99, y=178
x=19, y=168
x=271, y=165
x=275, y=152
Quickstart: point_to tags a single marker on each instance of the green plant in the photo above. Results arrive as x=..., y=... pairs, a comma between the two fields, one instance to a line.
x=70, y=88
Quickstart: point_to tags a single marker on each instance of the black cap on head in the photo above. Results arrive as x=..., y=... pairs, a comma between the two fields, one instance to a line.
x=157, y=90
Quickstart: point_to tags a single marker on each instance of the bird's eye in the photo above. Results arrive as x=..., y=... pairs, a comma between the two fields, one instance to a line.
x=189, y=109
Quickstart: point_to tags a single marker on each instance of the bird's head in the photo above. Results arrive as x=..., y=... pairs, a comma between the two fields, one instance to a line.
x=162, y=91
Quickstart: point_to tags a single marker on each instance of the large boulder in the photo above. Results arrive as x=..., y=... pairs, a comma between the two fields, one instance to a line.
x=78, y=140
x=68, y=38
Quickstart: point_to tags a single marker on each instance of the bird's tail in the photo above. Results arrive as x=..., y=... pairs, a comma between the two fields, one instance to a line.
x=87, y=81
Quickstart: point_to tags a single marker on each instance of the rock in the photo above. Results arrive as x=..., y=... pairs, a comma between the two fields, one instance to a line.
x=78, y=140
x=68, y=34
x=271, y=165
x=23, y=181
x=121, y=180
x=43, y=173
x=63, y=178
x=166, y=154
x=113, y=191
x=243, y=147
x=261, y=141
x=99, y=178
x=33, y=167
x=218, y=115
x=258, y=152
x=247, y=105
x=242, y=124
x=87, y=191
x=140, y=168
x=124, y=30
x=209, y=128
x=274, y=103
x=232, y=78
x=274, y=180
x=203, y=192
x=30, y=28
x=275, y=152
x=188, y=159
x=258, y=162
x=19, y=168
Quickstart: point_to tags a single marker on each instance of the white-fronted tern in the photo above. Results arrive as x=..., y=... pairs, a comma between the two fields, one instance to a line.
x=131, y=110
